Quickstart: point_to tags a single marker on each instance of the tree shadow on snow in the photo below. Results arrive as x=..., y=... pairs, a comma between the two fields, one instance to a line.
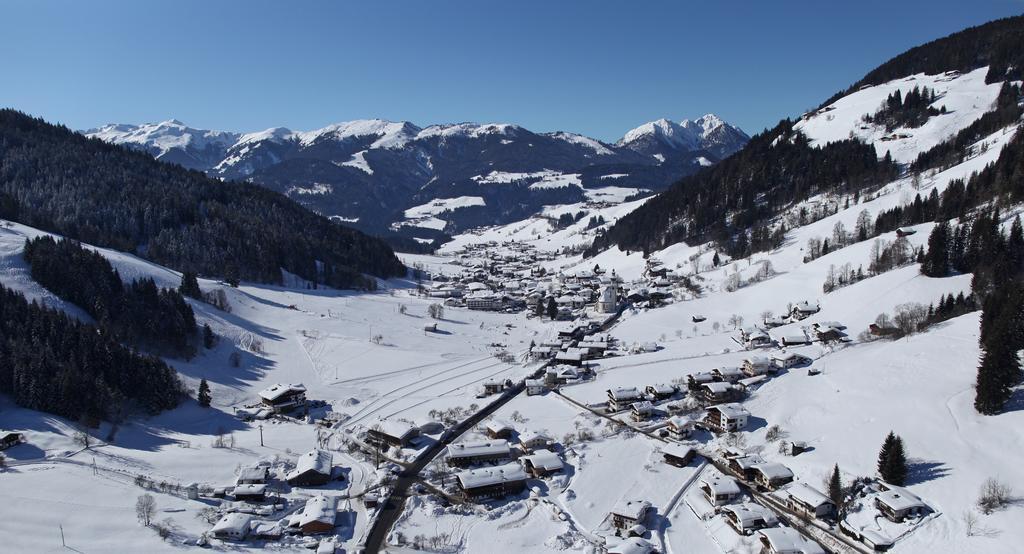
x=922, y=471
x=754, y=423
x=1016, y=401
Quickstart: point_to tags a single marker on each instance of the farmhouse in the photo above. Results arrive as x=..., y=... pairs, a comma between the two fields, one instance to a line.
x=388, y=432
x=897, y=504
x=532, y=440
x=677, y=454
x=534, y=387
x=748, y=517
x=492, y=482
x=252, y=475
x=807, y=501
x=726, y=418
x=758, y=339
x=793, y=338
x=630, y=545
x=641, y=411
x=718, y=392
x=250, y=493
x=757, y=365
x=312, y=468
x=771, y=475
x=493, y=386
x=621, y=397
x=468, y=453
x=627, y=513
x=283, y=398
x=786, y=540
x=661, y=391
x=317, y=516
x=786, y=360
x=679, y=427
x=9, y=439
x=542, y=462
x=695, y=380
x=728, y=374
x=720, y=490
x=498, y=429
x=232, y=527
x=804, y=310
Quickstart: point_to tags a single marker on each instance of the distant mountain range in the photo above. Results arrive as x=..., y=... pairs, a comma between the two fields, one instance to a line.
x=369, y=173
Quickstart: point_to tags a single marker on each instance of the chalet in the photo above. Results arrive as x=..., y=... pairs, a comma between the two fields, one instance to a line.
x=775, y=321
x=232, y=527
x=534, y=387
x=532, y=440
x=879, y=331
x=757, y=365
x=748, y=517
x=806, y=501
x=750, y=383
x=695, y=380
x=629, y=545
x=803, y=310
x=743, y=466
x=719, y=489
x=661, y=391
x=252, y=475
x=829, y=331
x=905, y=232
x=250, y=493
x=627, y=513
x=593, y=348
x=786, y=540
x=771, y=476
x=758, y=339
x=728, y=374
x=698, y=318
x=563, y=374
x=266, y=530
x=641, y=411
x=542, y=462
x=543, y=352
x=571, y=356
x=492, y=482
x=787, y=360
x=283, y=398
x=493, y=386
x=621, y=397
x=679, y=427
x=677, y=454
x=792, y=338
x=9, y=439
x=387, y=432
x=897, y=504
x=718, y=392
x=312, y=468
x=317, y=516
x=468, y=453
x=498, y=429
x=484, y=301
x=726, y=418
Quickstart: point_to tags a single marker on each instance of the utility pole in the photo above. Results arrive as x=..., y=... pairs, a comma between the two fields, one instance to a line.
x=62, y=536
x=261, y=434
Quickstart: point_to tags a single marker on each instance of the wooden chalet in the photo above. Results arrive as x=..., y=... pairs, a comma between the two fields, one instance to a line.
x=806, y=501
x=284, y=397
x=678, y=454
x=492, y=482
x=748, y=517
x=542, y=462
x=475, y=452
x=627, y=513
x=720, y=490
x=312, y=468
x=726, y=418
x=317, y=516
x=897, y=504
x=771, y=476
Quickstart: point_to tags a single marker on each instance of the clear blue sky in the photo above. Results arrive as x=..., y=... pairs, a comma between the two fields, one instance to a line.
x=593, y=67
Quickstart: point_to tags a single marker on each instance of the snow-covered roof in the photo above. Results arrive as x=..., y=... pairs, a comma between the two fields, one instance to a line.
x=528, y=436
x=748, y=512
x=631, y=545
x=642, y=407
x=631, y=509
x=663, y=388
x=773, y=470
x=545, y=459
x=478, y=448
x=900, y=499
x=677, y=450
x=786, y=356
x=806, y=494
x=278, y=390
x=494, y=475
x=252, y=473
x=785, y=540
x=757, y=361
x=717, y=387
x=680, y=422
x=250, y=489
x=720, y=484
x=498, y=426
x=623, y=393
x=731, y=410
x=323, y=509
x=395, y=428
x=315, y=460
x=234, y=523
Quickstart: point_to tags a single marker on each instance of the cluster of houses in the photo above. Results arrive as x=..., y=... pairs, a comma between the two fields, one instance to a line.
x=500, y=465
x=754, y=337
x=277, y=399
x=317, y=516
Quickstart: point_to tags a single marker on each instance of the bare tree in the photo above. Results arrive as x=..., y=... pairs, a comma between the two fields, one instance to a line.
x=995, y=495
x=145, y=509
x=435, y=311
x=970, y=522
x=82, y=438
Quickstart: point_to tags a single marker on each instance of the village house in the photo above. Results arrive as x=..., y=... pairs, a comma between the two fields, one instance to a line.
x=786, y=540
x=492, y=482
x=252, y=475
x=543, y=352
x=311, y=469
x=750, y=383
x=726, y=418
x=748, y=517
x=562, y=374
x=678, y=454
x=807, y=501
x=787, y=360
x=9, y=439
x=793, y=338
x=728, y=374
x=317, y=516
x=775, y=321
x=642, y=411
x=757, y=365
x=661, y=391
x=627, y=513
x=829, y=331
x=898, y=504
x=493, y=386
x=250, y=493
x=628, y=545
x=542, y=462
x=281, y=398
x=771, y=476
x=679, y=427
x=232, y=527
x=621, y=397
x=475, y=452
x=803, y=310
x=534, y=387
x=695, y=380
x=484, y=301
x=498, y=429
x=387, y=433
x=532, y=440
x=719, y=489
x=743, y=466
x=718, y=392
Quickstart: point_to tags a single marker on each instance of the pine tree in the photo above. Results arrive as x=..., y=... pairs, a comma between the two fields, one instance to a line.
x=995, y=376
x=190, y=285
x=203, y=395
x=209, y=339
x=896, y=472
x=936, y=262
x=716, y=261
x=835, y=489
x=886, y=453
x=552, y=308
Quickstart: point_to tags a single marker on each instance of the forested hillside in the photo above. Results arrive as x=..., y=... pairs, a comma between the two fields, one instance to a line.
x=60, y=181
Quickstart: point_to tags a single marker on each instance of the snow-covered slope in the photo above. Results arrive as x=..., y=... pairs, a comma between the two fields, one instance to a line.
x=661, y=137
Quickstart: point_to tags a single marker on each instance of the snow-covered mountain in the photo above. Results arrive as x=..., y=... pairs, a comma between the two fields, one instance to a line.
x=369, y=172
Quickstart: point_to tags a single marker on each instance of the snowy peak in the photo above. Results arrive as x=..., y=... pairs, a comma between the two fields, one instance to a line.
x=163, y=136
x=663, y=136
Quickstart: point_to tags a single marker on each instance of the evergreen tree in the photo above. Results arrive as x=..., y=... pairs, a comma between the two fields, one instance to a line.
x=835, y=490
x=936, y=261
x=203, y=395
x=716, y=261
x=886, y=453
x=190, y=285
x=552, y=308
x=539, y=309
x=892, y=460
x=209, y=339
